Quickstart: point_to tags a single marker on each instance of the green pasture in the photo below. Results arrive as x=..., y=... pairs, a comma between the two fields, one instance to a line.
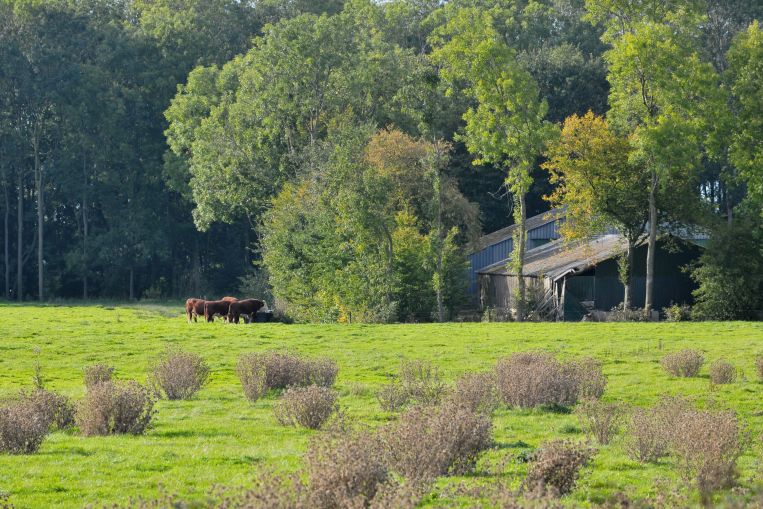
x=220, y=438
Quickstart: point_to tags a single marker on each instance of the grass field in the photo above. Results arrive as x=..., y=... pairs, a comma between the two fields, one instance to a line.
x=220, y=438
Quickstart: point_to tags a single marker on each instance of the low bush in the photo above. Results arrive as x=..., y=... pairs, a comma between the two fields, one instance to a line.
x=56, y=409
x=722, y=372
x=599, y=420
x=531, y=379
x=260, y=372
x=97, y=373
x=476, y=392
x=110, y=408
x=677, y=313
x=180, y=375
x=555, y=467
x=428, y=442
x=707, y=446
x=418, y=382
x=684, y=363
x=650, y=431
x=392, y=397
x=309, y=406
x=22, y=427
x=344, y=468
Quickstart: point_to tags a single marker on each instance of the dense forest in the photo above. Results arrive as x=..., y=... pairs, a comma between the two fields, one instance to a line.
x=339, y=157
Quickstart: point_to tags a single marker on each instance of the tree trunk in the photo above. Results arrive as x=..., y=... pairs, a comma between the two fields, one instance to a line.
x=38, y=182
x=20, y=239
x=519, y=259
x=628, y=275
x=84, y=232
x=440, y=246
x=652, y=246
x=6, y=240
x=132, y=283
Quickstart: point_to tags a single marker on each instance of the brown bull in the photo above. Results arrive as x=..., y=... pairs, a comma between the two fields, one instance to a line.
x=194, y=308
x=246, y=307
x=216, y=307
x=230, y=299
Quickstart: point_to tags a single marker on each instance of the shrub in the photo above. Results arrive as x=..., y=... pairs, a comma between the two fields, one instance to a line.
x=707, y=446
x=650, y=431
x=56, y=409
x=392, y=397
x=22, y=427
x=110, y=408
x=685, y=363
x=260, y=372
x=722, y=372
x=344, y=468
x=180, y=374
x=418, y=382
x=600, y=420
x=476, y=392
x=531, y=379
x=555, y=467
x=251, y=373
x=309, y=406
x=677, y=313
x=429, y=442
x=97, y=373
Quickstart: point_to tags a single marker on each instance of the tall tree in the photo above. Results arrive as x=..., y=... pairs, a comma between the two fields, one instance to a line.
x=659, y=87
x=506, y=126
x=599, y=186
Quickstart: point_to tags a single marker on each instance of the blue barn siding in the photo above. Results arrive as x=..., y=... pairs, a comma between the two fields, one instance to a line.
x=501, y=250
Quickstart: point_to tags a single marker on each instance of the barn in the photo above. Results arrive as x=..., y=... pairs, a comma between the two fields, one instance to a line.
x=567, y=281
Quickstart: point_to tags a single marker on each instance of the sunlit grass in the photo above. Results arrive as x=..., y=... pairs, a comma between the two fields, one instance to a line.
x=220, y=438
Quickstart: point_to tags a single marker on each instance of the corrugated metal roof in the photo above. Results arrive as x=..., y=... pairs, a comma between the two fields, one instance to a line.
x=532, y=223
x=558, y=258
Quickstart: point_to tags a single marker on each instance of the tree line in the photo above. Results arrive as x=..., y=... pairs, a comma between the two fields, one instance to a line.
x=340, y=156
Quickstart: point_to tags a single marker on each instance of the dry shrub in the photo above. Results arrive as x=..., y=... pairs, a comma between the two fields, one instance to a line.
x=392, y=397
x=418, y=382
x=722, y=372
x=251, y=373
x=56, y=409
x=180, y=374
x=650, y=431
x=97, y=373
x=530, y=379
x=110, y=408
x=428, y=442
x=309, y=406
x=707, y=446
x=590, y=378
x=476, y=392
x=344, y=468
x=600, y=420
x=759, y=366
x=555, y=467
x=260, y=372
x=22, y=427
x=684, y=363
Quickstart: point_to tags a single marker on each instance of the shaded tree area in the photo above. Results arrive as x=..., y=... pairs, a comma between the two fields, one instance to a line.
x=348, y=151
x=89, y=209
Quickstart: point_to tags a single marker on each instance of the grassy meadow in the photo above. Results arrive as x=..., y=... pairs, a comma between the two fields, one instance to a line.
x=219, y=438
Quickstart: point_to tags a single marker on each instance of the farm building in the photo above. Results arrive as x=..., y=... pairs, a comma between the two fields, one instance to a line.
x=568, y=281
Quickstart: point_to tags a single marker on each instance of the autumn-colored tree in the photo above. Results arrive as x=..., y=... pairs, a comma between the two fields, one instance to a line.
x=598, y=185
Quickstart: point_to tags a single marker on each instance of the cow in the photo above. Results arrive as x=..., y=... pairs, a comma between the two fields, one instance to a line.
x=246, y=307
x=216, y=307
x=194, y=308
x=230, y=299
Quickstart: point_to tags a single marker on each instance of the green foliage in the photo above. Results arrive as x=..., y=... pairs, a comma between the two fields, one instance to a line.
x=730, y=273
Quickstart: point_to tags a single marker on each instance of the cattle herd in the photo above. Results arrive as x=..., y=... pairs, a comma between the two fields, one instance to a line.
x=230, y=309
